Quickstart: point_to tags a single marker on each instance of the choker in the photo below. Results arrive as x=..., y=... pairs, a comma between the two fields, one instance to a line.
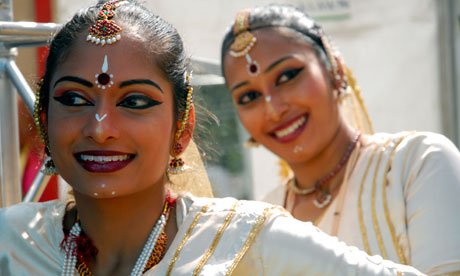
x=323, y=198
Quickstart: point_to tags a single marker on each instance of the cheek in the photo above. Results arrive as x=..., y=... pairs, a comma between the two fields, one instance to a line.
x=61, y=131
x=251, y=119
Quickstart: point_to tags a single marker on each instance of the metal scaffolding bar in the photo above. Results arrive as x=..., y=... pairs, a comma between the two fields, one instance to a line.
x=38, y=186
x=21, y=84
x=27, y=29
x=10, y=192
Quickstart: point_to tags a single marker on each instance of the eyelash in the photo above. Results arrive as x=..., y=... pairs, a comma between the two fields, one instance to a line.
x=252, y=95
x=290, y=74
x=69, y=99
x=133, y=101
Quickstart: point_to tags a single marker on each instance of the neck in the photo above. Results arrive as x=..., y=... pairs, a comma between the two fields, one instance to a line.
x=119, y=227
x=323, y=163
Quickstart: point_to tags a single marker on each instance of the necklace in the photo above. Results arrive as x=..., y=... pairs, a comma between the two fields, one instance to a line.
x=323, y=198
x=151, y=254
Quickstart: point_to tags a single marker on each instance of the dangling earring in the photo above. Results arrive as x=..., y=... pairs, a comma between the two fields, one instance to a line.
x=251, y=143
x=50, y=169
x=177, y=165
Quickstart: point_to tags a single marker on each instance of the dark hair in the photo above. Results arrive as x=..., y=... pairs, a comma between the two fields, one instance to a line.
x=282, y=16
x=160, y=38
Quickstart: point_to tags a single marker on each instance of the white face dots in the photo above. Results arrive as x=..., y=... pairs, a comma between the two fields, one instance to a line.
x=104, y=80
x=298, y=149
x=103, y=186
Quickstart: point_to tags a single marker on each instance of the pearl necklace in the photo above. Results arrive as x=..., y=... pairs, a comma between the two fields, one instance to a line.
x=70, y=260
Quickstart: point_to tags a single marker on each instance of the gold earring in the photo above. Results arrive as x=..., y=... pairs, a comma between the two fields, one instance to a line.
x=177, y=165
x=251, y=143
x=50, y=169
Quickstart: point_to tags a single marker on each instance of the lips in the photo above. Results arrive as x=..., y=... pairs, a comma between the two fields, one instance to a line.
x=103, y=161
x=290, y=130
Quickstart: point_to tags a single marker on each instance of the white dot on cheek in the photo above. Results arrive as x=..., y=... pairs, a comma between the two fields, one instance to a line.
x=113, y=193
x=298, y=149
x=96, y=194
x=103, y=185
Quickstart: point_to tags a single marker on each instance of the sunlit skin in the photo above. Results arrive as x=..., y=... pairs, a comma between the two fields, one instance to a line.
x=299, y=87
x=117, y=209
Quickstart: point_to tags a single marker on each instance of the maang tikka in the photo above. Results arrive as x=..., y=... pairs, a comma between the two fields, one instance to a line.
x=106, y=31
x=177, y=165
x=244, y=41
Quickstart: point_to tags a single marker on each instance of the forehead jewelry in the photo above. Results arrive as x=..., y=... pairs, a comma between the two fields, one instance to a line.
x=244, y=42
x=103, y=79
x=105, y=31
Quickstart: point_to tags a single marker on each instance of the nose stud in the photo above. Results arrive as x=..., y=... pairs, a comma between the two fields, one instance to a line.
x=271, y=110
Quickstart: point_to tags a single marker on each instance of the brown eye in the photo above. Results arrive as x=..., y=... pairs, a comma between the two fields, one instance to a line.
x=73, y=99
x=288, y=75
x=247, y=97
x=138, y=102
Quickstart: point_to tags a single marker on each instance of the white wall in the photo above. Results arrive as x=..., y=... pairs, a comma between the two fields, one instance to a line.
x=390, y=45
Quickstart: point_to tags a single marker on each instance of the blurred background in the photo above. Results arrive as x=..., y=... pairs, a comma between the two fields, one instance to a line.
x=405, y=56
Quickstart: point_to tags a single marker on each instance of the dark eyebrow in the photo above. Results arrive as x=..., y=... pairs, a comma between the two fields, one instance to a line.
x=239, y=85
x=273, y=65
x=269, y=68
x=74, y=79
x=140, y=81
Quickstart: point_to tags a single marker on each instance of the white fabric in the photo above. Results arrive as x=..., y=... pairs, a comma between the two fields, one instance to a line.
x=422, y=196
x=30, y=235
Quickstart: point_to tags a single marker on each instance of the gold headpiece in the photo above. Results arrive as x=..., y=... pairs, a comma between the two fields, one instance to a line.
x=244, y=41
x=106, y=31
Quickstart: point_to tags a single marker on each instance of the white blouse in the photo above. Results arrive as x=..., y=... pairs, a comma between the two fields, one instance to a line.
x=402, y=201
x=215, y=237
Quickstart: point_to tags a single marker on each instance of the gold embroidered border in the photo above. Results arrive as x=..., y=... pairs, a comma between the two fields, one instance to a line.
x=402, y=258
x=254, y=231
x=186, y=237
x=360, y=207
x=216, y=240
x=375, y=222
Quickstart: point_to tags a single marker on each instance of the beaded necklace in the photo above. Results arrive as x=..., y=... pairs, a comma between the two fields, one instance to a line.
x=152, y=253
x=323, y=198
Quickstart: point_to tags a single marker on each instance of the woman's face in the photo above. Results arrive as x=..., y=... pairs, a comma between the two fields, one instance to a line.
x=289, y=106
x=110, y=119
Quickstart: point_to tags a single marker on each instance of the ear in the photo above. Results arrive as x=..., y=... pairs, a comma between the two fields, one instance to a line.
x=339, y=78
x=186, y=137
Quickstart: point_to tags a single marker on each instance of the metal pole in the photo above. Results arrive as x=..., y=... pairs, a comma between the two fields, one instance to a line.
x=37, y=187
x=27, y=28
x=21, y=84
x=10, y=188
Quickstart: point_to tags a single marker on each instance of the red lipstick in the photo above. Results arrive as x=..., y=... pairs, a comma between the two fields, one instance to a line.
x=97, y=161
